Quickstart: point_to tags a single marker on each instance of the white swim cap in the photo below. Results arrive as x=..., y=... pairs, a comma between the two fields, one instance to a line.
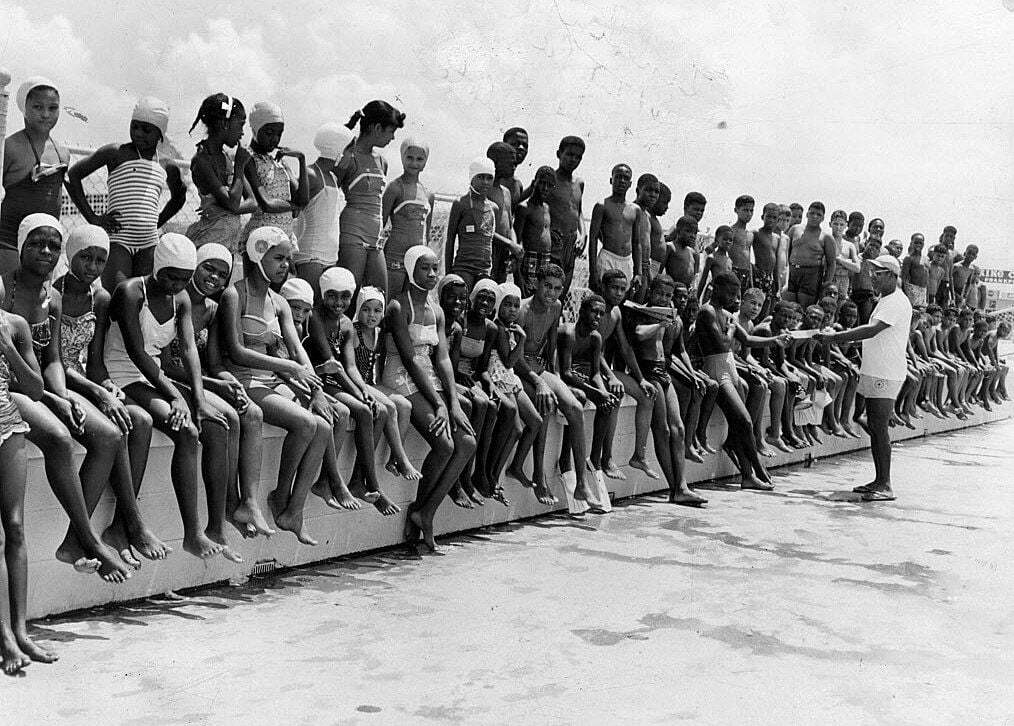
x=260, y=241
x=412, y=257
x=337, y=279
x=507, y=289
x=152, y=111
x=480, y=165
x=487, y=285
x=370, y=293
x=331, y=140
x=265, y=112
x=174, y=250
x=215, y=251
x=414, y=143
x=84, y=236
x=25, y=88
x=296, y=288
x=33, y=222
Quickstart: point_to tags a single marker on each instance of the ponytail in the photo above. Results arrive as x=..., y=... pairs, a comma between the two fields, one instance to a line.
x=215, y=110
x=356, y=118
x=374, y=113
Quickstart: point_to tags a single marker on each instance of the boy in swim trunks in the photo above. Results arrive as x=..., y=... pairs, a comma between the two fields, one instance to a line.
x=715, y=331
x=612, y=222
x=567, y=223
x=647, y=196
x=812, y=254
x=517, y=137
x=579, y=348
x=532, y=230
x=540, y=319
x=506, y=251
x=742, y=242
x=683, y=260
x=659, y=246
x=623, y=376
x=717, y=262
x=765, y=256
x=914, y=272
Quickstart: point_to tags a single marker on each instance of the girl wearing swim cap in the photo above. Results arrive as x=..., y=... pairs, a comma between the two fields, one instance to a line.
x=276, y=193
x=34, y=165
x=366, y=352
x=84, y=308
x=316, y=227
x=518, y=414
x=467, y=491
x=419, y=368
x=472, y=223
x=361, y=174
x=137, y=177
x=407, y=208
x=61, y=416
x=331, y=347
x=145, y=315
x=18, y=366
x=235, y=456
x=219, y=179
x=255, y=323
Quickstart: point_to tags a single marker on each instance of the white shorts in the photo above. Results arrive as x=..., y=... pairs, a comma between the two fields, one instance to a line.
x=610, y=261
x=873, y=387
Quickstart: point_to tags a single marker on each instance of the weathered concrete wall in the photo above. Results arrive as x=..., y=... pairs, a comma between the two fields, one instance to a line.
x=55, y=587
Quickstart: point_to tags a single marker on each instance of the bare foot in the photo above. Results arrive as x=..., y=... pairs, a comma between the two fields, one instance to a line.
x=582, y=493
x=752, y=482
x=519, y=474
x=613, y=471
x=14, y=659
x=249, y=513
x=227, y=552
x=458, y=496
x=411, y=530
x=777, y=442
x=764, y=450
x=294, y=523
x=686, y=497
x=277, y=502
x=499, y=495
x=402, y=468
x=200, y=546
x=707, y=448
x=323, y=491
x=426, y=530
x=543, y=494
x=115, y=538
x=639, y=463
x=111, y=567
x=34, y=651
x=690, y=454
x=70, y=552
x=473, y=494
x=344, y=497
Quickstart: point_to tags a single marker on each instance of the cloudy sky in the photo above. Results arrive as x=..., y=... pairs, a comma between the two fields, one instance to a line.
x=904, y=110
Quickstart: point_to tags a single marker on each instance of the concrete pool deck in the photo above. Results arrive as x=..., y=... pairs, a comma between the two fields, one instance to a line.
x=797, y=606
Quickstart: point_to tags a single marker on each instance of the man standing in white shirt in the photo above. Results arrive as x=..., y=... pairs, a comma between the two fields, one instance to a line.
x=883, y=370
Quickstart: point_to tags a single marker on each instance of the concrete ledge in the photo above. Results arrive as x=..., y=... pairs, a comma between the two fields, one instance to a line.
x=55, y=587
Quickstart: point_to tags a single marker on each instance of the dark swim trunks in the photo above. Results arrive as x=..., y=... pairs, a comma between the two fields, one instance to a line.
x=745, y=275
x=805, y=280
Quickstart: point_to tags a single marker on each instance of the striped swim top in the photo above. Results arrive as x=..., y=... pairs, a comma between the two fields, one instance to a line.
x=135, y=191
